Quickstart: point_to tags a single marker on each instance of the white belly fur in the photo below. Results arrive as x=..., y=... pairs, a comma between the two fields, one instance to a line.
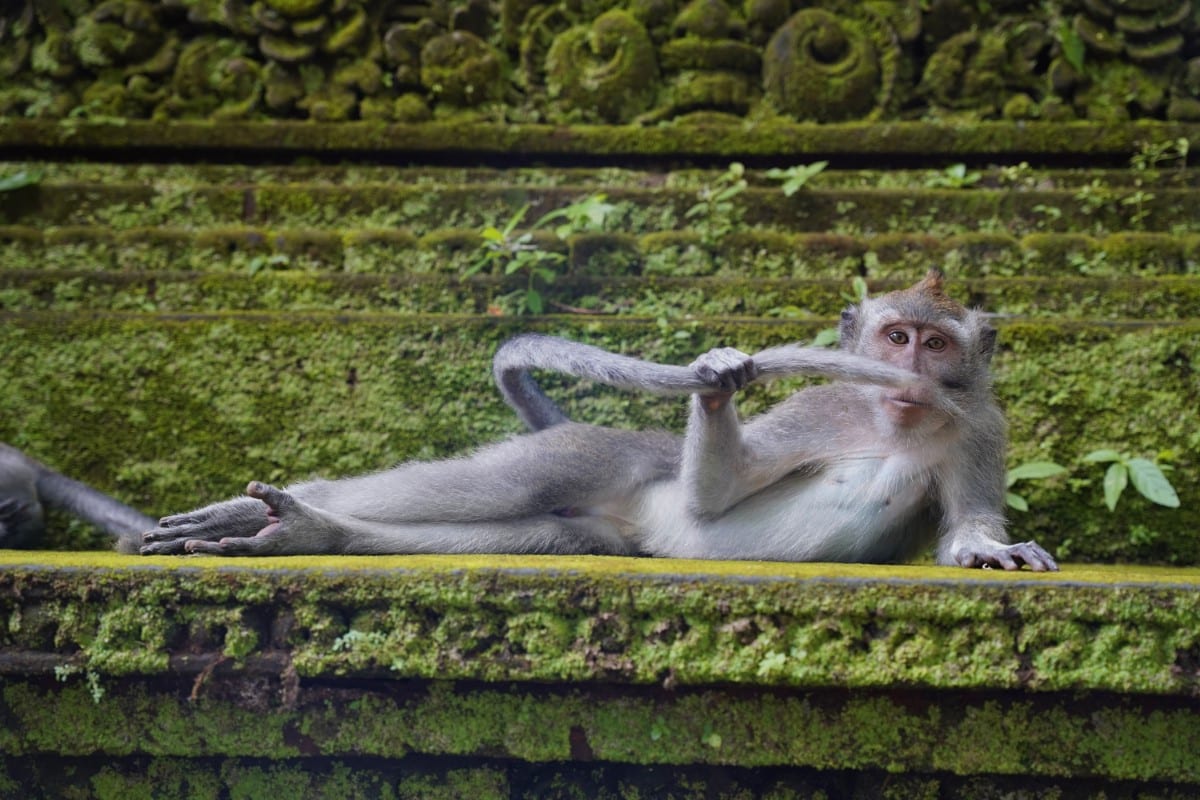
x=837, y=514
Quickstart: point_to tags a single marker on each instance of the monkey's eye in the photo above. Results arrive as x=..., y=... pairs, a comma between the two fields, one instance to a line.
x=898, y=337
x=936, y=343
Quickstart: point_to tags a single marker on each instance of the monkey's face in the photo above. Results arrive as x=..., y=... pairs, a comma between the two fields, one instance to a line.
x=928, y=350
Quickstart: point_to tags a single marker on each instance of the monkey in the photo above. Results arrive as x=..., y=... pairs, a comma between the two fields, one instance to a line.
x=904, y=449
x=28, y=487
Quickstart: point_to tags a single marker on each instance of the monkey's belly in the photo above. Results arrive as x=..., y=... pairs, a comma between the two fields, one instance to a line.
x=860, y=509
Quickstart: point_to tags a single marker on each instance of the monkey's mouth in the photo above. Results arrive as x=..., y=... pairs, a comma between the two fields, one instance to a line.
x=907, y=401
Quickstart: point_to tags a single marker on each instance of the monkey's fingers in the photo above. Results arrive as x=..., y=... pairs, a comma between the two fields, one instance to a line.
x=277, y=500
x=174, y=547
x=1034, y=557
x=725, y=369
x=261, y=545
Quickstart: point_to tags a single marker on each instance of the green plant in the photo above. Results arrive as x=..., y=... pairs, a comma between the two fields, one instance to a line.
x=715, y=214
x=513, y=252
x=1032, y=470
x=1072, y=44
x=11, y=181
x=1138, y=199
x=954, y=176
x=1145, y=475
x=795, y=177
x=1152, y=155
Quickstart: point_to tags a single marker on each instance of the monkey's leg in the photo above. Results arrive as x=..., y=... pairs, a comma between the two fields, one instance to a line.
x=569, y=466
x=296, y=528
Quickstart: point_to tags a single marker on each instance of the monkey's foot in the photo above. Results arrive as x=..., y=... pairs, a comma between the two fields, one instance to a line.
x=292, y=528
x=240, y=517
x=1012, y=556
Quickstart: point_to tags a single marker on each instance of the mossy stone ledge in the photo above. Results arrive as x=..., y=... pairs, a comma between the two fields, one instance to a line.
x=370, y=672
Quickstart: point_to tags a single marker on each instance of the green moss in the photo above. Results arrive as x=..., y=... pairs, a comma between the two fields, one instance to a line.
x=606, y=69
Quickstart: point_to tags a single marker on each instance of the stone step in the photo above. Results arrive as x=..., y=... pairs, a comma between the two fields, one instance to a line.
x=645, y=202
x=456, y=251
x=1149, y=297
x=180, y=409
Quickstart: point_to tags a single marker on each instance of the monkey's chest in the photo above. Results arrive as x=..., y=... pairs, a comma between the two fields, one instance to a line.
x=853, y=509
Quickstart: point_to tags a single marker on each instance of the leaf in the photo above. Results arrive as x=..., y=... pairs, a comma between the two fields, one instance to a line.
x=534, y=301
x=1116, y=478
x=826, y=337
x=1072, y=46
x=1102, y=456
x=19, y=180
x=1016, y=501
x=1034, y=470
x=515, y=219
x=1150, y=481
x=492, y=234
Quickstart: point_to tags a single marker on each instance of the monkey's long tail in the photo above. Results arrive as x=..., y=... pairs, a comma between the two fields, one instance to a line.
x=119, y=520
x=516, y=357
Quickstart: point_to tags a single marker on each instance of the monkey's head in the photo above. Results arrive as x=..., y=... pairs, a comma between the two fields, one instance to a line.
x=923, y=330
x=20, y=510
x=20, y=519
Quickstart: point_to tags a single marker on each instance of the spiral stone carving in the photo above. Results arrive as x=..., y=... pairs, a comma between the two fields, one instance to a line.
x=828, y=68
x=607, y=68
x=462, y=69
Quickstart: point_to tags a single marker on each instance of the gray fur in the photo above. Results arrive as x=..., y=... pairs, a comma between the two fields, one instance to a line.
x=27, y=487
x=904, y=449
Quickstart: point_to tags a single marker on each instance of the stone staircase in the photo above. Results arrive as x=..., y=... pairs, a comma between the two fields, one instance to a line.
x=247, y=240
x=176, y=328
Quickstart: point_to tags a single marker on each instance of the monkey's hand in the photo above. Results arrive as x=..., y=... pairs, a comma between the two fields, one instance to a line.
x=726, y=370
x=1011, y=556
x=240, y=517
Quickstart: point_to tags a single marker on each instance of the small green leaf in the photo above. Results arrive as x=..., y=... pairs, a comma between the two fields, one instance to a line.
x=534, y=301
x=1016, y=501
x=492, y=234
x=1034, y=470
x=1102, y=456
x=1151, y=483
x=1073, y=46
x=826, y=337
x=19, y=180
x=1116, y=478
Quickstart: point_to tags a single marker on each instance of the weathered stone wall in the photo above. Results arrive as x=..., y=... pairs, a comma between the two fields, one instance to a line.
x=606, y=62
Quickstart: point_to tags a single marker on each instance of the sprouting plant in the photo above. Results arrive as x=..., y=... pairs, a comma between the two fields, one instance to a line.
x=1138, y=199
x=1152, y=155
x=514, y=251
x=11, y=181
x=261, y=263
x=954, y=176
x=795, y=177
x=1145, y=475
x=858, y=290
x=715, y=214
x=64, y=672
x=1032, y=470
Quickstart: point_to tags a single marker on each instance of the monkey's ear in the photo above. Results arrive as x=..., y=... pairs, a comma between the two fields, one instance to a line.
x=848, y=327
x=987, y=342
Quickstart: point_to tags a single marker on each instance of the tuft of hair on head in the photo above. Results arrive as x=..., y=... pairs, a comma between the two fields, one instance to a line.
x=928, y=298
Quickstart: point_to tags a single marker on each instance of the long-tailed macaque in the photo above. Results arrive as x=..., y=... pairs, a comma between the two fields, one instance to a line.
x=904, y=449
x=28, y=486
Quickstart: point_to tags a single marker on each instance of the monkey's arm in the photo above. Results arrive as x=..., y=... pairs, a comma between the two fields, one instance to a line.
x=516, y=357
x=971, y=496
